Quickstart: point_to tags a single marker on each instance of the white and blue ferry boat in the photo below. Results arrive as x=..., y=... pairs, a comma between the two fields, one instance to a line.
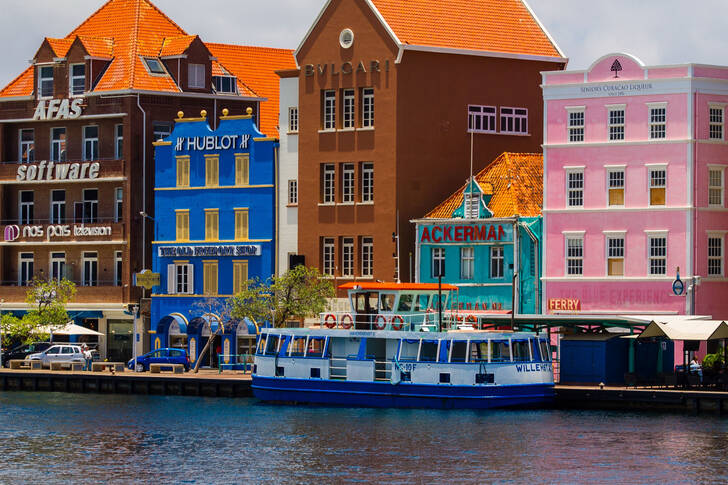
x=395, y=350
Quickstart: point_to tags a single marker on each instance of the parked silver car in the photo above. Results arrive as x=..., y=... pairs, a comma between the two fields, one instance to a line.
x=59, y=353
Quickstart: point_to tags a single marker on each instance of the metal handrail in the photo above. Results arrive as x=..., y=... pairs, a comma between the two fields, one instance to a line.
x=247, y=361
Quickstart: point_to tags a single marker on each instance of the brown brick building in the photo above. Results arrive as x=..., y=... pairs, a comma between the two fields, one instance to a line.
x=438, y=74
x=76, y=159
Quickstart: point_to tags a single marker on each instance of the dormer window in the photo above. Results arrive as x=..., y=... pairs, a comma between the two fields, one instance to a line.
x=77, y=84
x=45, y=81
x=225, y=84
x=196, y=76
x=472, y=205
x=154, y=66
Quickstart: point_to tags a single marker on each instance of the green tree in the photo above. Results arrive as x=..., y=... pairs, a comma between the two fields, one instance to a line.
x=47, y=300
x=299, y=293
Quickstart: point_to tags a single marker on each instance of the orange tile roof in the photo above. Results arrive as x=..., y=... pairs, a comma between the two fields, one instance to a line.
x=503, y=26
x=60, y=46
x=20, y=86
x=102, y=47
x=175, y=46
x=257, y=66
x=514, y=179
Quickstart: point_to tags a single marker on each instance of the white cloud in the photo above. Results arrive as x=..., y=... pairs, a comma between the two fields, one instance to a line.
x=656, y=31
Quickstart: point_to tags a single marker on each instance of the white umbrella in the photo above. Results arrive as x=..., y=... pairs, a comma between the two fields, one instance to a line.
x=69, y=329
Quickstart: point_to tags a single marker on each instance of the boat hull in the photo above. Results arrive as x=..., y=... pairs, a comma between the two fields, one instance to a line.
x=403, y=395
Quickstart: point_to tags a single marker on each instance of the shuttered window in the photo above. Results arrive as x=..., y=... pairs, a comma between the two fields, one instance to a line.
x=183, y=171
x=242, y=169
x=212, y=174
x=210, y=277
x=241, y=225
x=183, y=225
x=212, y=232
x=240, y=276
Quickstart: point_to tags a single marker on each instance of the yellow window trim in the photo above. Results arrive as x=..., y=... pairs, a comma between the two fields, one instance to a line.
x=181, y=210
x=184, y=261
x=262, y=186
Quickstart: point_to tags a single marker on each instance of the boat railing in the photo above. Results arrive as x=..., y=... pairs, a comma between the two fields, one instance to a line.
x=397, y=321
x=383, y=370
x=337, y=368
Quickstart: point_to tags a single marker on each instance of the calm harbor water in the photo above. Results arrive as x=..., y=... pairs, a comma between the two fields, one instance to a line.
x=56, y=437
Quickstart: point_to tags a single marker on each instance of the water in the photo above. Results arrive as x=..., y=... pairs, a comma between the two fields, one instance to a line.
x=56, y=437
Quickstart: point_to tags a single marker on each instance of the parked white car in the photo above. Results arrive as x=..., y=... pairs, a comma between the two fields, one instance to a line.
x=59, y=353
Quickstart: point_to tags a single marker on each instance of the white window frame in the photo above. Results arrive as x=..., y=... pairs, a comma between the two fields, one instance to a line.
x=576, y=125
x=573, y=236
x=196, y=76
x=118, y=268
x=329, y=183
x=73, y=77
x=293, y=119
x=616, y=170
x=27, y=146
x=118, y=204
x=89, y=257
x=519, y=117
x=348, y=111
x=615, y=236
x=347, y=257
x=615, y=123
x=367, y=256
x=293, y=192
x=328, y=256
x=348, y=183
x=26, y=210
x=497, y=257
x=89, y=142
x=367, y=107
x=438, y=261
x=329, y=110
x=367, y=182
x=180, y=279
x=41, y=79
x=482, y=119
x=471, y=204
x=161, y=130
x=60, y=145
x=26, y=268
x=58, y=208
x=119, y=141
x=654, y=236
x=217, y=82
x=716, y=121
x=569, y=171
x=717, y=236
x=656, y=121
x=57, y=265
x=467, y=263
x=90, y=216
x=719, y=188
x=162, y=71
x=650, y=170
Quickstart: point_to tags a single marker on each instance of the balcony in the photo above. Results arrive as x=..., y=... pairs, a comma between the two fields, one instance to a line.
x=71, y=171
x=69, y=232
x=105, y=292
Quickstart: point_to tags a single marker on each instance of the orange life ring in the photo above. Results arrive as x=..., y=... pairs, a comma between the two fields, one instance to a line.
x=347, y=321
x=380, y=322
x=330, y=320
x=399, y=324
x=471, y=319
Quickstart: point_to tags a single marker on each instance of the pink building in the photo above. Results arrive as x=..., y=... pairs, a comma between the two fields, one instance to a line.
x=634, y=188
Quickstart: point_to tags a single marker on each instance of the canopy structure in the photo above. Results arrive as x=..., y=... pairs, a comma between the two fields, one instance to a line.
x=69, y=329
x=680, y=329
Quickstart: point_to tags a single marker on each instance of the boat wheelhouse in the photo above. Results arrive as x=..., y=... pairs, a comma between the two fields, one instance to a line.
x=396, y=352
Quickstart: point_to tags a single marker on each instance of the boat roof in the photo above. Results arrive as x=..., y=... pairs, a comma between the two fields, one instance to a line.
x=397, y=334
x=376, y=285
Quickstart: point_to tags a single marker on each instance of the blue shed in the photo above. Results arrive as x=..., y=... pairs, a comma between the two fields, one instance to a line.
x=593, y=358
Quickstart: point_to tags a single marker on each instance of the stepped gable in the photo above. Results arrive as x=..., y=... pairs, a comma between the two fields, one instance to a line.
x=514, y=179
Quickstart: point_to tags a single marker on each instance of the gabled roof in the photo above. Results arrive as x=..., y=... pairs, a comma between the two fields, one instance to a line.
x=20, y=86
x=257, y=66
x=60, y=46
x=102, y=47
x=514, y=179
x=499, y=28
x=174, y=46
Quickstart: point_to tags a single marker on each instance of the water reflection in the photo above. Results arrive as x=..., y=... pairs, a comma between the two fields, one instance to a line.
x=99, y=438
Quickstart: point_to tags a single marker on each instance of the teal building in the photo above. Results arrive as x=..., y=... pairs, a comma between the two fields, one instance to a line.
x=486, y=237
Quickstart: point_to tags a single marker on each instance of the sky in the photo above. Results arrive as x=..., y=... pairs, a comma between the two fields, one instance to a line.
x=656, y=31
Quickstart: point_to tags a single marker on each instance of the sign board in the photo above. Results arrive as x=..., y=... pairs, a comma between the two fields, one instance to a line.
x=51, y=231
x=466, y=233
x=46, y=171
x=564, y=304
x=58, y=109
x=224, y=142
x=147, y=279
x=202, y=251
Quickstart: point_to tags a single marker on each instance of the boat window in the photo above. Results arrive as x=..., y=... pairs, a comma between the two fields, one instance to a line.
x=520, y=351
x=261, y=344
x=315, y=347
x=428, y=351
x=366, y=302
x=271, y=346
x=500, y=351
x=405, y=303
x=545, y=351
x=297, y=346
x=478, y=351
x=433, y=303
x=459, y=351
x=386, y=302
x=421, y=303
x=408, y=349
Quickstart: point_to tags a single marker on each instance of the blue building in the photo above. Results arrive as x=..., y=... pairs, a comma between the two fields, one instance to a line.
x=214, y=222
x=484, y=233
